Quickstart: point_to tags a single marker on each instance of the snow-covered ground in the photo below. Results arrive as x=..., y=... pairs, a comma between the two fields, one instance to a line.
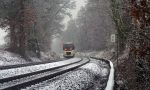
x=105, y=54
x=7, y=58
x=49, y=56
x=92, y=76
x=28, y=69
x=35, y=59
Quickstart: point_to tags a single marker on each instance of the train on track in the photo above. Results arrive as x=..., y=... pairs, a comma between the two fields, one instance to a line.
x=68, y=50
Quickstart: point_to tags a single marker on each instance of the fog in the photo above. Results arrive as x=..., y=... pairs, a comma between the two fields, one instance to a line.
x=74, y=12
x=57, y=42
x=3, y=34
x=57, y=45
x=89, y=27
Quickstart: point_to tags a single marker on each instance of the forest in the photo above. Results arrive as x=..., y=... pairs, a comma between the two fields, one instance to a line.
x=33, y=24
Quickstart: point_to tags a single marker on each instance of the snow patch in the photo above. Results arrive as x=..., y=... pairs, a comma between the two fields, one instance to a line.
x=7, y=58
x=34, y=59
x=96, y=69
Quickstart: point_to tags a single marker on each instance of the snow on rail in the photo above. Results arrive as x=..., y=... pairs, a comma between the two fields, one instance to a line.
x=110, y=82
x=29, y=69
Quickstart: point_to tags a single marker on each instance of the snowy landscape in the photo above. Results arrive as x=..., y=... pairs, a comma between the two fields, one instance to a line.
x=74, y=45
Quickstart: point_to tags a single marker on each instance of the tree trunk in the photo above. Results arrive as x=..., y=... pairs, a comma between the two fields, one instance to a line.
x=22, y=32
x=13, y=40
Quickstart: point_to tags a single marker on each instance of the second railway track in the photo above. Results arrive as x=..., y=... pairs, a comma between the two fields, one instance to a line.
x=21, y=81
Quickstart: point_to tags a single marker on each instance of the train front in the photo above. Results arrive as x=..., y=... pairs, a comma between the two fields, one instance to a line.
x=68, y=50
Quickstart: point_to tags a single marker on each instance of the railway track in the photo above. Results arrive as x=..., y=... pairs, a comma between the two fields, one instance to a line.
x=29, y=64
x=18, y=82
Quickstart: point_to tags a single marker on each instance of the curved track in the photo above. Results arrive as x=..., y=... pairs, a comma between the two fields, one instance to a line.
x=21, y=81
x=29, y=64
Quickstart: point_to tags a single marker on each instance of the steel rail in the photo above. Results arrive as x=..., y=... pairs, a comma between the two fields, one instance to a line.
x=36, y=77
x=27, y=64
x=7, y=79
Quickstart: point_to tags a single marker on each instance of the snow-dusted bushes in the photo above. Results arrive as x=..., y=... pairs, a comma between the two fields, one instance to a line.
x=8, y=58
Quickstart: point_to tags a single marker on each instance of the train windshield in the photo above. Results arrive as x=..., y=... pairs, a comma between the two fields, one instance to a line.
x=68, y=46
